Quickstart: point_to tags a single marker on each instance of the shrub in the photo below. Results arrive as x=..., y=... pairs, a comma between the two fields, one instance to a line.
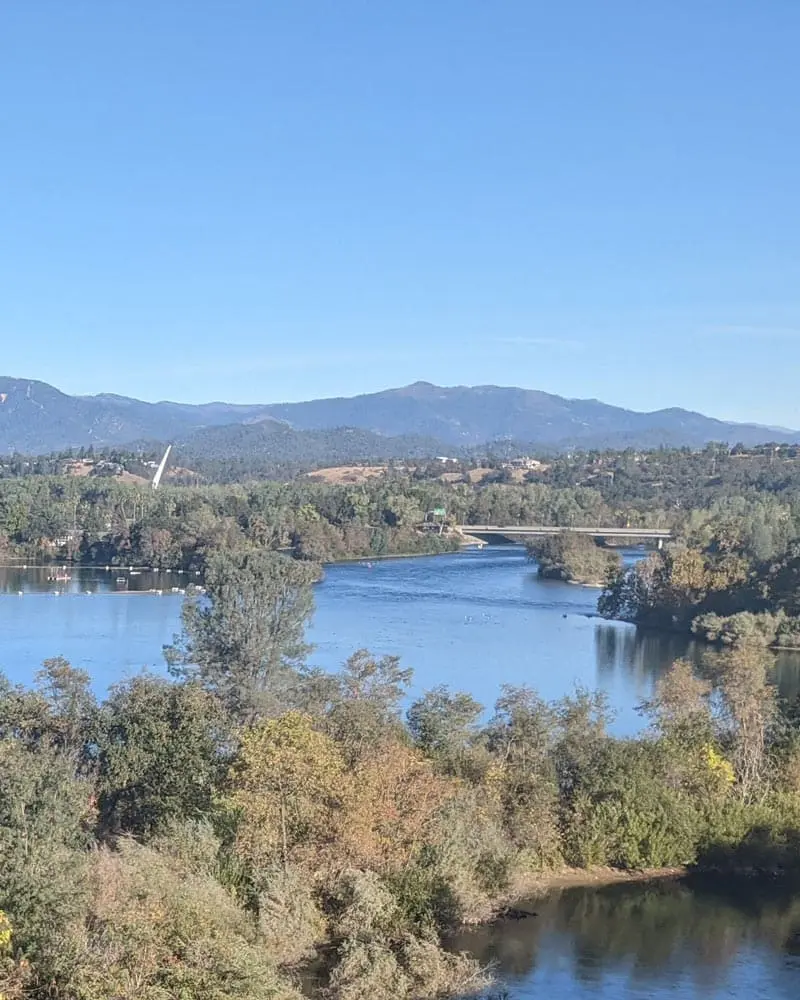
x=156, y=929
x=762, y=836
x=193, y=844
x=45, y=811
x=473, y=851
x=290, y=922
x=626, y=816
x=424, y=897
x=363, y=906
x=367, y=970
x=743, y=628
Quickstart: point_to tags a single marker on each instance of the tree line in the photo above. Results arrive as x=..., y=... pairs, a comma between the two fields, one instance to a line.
x=109, y=521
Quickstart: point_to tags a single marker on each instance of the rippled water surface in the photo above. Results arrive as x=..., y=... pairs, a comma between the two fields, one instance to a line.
x=712, y=939
x=473, y=620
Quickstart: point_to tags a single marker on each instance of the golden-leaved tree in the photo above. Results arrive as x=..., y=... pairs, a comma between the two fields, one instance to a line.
x=286, y=785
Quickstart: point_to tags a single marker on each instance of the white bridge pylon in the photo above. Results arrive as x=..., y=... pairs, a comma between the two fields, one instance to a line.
x=161, y=467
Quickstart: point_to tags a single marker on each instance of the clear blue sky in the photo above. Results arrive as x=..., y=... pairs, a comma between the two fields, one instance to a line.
x=257, y=201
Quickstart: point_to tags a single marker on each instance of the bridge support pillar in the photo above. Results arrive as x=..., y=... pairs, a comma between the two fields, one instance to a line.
x=660, y=544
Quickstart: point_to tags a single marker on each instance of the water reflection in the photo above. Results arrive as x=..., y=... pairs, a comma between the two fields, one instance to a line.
x=641, y=657
x=698, y=938
x=21, y=580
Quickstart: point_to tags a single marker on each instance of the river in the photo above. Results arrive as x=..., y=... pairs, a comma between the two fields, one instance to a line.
x=709, y=938
x=473, y=620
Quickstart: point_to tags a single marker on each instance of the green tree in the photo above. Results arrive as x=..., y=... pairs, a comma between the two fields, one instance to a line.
x=571, y=557
x=244, y=639
x=521, y=737
x=749, y=714
x=45, y=822
x=72, y=705
x=365, y=706
x=161, y=752
x=444, y=725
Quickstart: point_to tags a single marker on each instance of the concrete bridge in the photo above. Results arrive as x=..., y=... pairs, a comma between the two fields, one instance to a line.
x=517, y=531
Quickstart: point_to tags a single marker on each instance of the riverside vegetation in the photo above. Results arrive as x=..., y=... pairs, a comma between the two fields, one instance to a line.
x=105, y=519
x=733, y=577
x=206, y=837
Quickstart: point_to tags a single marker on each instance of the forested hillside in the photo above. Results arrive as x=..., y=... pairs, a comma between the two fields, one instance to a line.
x=269, y=450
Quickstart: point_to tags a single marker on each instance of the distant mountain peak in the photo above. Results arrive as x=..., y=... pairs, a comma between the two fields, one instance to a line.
x=37, y=418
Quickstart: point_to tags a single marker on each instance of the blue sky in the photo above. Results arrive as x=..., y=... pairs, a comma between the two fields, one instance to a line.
x=259, y=201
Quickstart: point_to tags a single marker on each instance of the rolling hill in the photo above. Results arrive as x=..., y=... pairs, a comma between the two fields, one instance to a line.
x=269, y=450
x=36, y=418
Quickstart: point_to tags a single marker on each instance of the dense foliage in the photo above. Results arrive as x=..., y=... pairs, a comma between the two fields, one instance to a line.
x=108, y=521
x=734, y=577
x=680, y=479
x=203, y=837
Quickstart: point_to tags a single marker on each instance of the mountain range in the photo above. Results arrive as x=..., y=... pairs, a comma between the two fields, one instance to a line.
x=36, y=418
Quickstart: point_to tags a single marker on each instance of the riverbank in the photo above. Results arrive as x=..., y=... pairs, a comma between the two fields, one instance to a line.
x=686, y=939
x=436, y=546
x=530, y=888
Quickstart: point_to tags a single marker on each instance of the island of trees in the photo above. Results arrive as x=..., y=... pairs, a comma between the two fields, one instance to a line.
x=572, y=558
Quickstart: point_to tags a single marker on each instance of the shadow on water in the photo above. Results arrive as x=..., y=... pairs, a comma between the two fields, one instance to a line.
x=641, y=657
x=689, y=938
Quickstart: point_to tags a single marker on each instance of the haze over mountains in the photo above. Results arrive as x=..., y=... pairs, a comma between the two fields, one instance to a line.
x=36, y=418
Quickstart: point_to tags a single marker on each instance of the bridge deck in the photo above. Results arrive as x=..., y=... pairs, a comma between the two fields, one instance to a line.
x=542, y=529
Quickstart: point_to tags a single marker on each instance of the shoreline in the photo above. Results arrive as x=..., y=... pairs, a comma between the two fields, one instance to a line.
x=171, y=569
x=566, y=878
x=535, y=886
x=701, y=640
x=528, y=889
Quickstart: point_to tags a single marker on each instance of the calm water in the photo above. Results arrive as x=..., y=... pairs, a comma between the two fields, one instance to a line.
x=473, y=620
x=700, y=939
